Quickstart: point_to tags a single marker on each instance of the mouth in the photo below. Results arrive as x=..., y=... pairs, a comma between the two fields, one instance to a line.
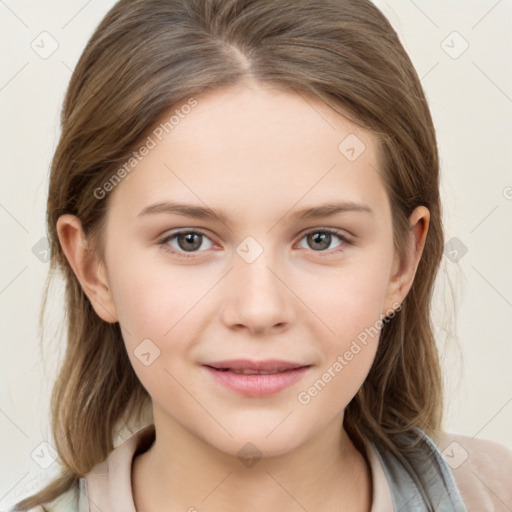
x=267, y=365
x=253, y=372
x=256, y=379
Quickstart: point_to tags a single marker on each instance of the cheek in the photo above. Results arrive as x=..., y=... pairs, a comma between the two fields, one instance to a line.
x=160, y=309
x=352, y=314
x=350, y=303
x=151, y=298
x=154, y=311
x=352, y=299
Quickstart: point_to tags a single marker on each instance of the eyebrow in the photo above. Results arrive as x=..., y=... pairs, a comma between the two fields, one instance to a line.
x=206, y=213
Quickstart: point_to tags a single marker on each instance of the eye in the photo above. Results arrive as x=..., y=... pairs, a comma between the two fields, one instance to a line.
x=321, y=239
x=186, y=243
x=183, y=242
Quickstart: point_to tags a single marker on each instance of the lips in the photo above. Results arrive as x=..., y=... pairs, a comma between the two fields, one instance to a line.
x=251, y=372
x=256, y=378
x=250, y=367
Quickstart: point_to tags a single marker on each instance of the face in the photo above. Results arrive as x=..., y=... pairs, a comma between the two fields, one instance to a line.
x=274, y=276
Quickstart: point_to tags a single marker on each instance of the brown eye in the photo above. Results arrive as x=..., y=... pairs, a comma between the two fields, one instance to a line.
x=189, y=241
x=185, y=242
x=320, y=240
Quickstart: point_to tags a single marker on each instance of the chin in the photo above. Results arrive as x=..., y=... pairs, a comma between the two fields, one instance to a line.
x=255, y=444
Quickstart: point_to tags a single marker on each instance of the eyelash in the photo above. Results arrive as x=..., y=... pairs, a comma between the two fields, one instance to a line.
x=163, y=242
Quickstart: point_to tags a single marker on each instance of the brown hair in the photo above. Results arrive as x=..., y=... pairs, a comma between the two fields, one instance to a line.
x=147, y=56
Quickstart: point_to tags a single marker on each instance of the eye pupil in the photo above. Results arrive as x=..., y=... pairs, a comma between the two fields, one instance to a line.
x=324, y=239
x=192, y=238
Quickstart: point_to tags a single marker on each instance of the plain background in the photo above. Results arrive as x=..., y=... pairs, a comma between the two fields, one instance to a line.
x=461, y=52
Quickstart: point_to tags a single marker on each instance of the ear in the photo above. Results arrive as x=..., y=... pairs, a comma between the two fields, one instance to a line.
x=403, y=272
x=86, y=266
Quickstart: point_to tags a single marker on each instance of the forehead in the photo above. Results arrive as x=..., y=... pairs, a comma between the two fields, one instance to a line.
x=253, y=148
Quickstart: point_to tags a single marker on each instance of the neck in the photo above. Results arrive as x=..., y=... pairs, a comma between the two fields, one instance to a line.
x=182, y=472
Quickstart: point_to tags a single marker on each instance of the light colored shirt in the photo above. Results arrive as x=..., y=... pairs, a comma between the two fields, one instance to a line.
x=460, y=474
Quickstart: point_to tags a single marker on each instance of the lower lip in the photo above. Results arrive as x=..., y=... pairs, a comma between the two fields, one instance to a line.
x=257, y=385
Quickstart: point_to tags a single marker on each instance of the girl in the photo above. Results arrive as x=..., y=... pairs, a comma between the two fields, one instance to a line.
x=245, y=205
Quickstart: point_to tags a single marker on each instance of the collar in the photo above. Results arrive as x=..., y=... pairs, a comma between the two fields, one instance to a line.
x=109, y=485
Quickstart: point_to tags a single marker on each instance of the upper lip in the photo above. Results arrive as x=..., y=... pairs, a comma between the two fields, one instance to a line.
x=269, y=365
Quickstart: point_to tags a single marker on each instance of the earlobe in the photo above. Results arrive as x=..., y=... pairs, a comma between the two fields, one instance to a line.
x=404, y=271
x=84, y=262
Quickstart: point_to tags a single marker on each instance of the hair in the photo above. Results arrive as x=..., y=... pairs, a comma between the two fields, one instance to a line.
x=147, y=56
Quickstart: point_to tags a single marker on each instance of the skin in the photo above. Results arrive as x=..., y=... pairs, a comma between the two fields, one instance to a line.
x=259, y=154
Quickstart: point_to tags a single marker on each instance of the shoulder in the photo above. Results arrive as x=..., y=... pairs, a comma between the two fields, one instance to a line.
x=66, y=502
x=482, y=470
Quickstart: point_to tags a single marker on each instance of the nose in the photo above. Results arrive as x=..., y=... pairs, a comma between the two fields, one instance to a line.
x=256, y=297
